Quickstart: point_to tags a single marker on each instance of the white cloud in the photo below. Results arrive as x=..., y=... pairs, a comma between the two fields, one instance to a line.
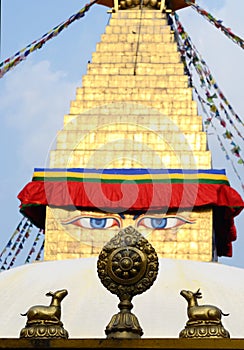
x=34, y=98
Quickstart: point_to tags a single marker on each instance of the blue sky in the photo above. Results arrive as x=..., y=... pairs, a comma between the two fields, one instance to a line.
x=36, y=94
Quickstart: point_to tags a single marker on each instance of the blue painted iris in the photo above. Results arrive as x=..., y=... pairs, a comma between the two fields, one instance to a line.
x=162, y=223
x=98, y=223
x=158, y=223
x=151, y=222
x=94, y=223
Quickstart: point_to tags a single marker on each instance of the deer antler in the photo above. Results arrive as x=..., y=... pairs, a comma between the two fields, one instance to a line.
x=198, y=294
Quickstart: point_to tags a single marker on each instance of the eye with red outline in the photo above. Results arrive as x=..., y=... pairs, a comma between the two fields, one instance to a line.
x=93, y=222
x=163, y=223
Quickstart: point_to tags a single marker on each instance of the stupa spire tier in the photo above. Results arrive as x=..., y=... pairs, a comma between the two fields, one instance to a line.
x=136, y=62
x=133, y=110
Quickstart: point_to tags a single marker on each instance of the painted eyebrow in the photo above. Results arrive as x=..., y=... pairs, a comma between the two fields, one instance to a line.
x=136, y=216
x=122, y=216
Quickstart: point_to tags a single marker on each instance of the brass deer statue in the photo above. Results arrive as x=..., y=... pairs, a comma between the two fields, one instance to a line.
x=44, y=321
x=203, y=320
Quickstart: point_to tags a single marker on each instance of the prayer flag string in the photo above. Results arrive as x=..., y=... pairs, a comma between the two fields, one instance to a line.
x=40, y=252
x=16, y=246
x=21, y=55
x=13, y=249
x=25, y=236
x=188, y=50
x=191, y=58
x=217, y=23
x=33, y=247
x=219, y=139
x=10, y=242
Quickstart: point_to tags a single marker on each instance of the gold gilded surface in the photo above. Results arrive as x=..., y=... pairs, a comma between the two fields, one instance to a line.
x=127, y=265
x=136, y=4
x=204, y=320
x=173, y=5
x=134, y=109
x=188, y=236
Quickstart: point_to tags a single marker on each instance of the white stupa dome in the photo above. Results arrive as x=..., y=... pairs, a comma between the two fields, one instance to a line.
x=89, y=306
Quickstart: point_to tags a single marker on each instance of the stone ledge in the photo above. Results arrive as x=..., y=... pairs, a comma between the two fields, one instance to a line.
x=149, y=343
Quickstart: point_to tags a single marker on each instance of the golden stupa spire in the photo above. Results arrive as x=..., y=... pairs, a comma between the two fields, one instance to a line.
x=133, y=152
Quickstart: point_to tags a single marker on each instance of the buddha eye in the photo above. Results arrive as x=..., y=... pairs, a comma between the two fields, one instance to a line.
x=162, y=223
x=93, y=222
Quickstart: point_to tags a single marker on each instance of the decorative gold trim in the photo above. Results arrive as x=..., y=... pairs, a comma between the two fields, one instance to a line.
x=44, y=331
x=127, y=266
x=130, y=4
